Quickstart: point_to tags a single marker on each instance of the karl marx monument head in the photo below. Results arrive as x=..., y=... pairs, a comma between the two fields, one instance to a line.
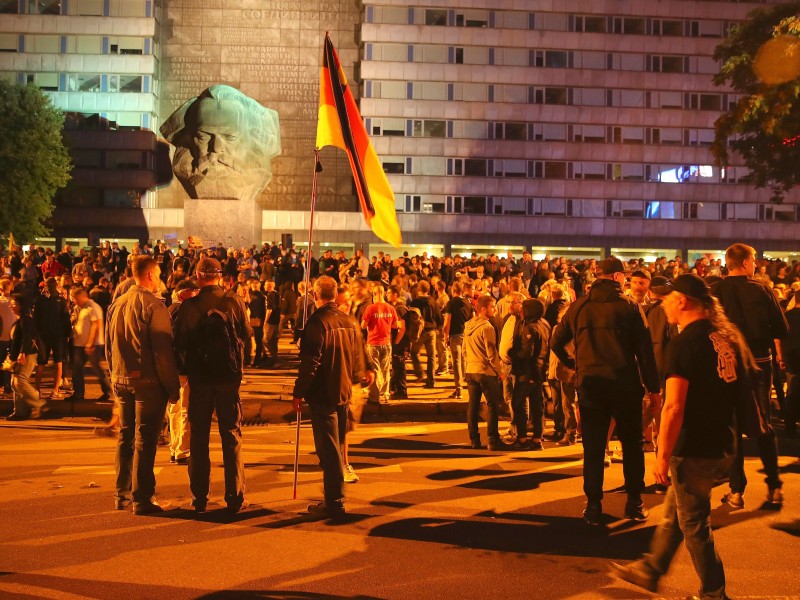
x=224, y=142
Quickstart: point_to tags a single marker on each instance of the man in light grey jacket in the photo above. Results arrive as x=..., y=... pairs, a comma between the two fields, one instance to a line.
x=483, y=373
x=141, y=359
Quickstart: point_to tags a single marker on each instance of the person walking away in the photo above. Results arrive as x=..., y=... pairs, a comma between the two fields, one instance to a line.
x=211, y=331
x=379, y=319
x=613, y=356
x=141, y=360
x=400, y=345
x=754, y=310
x=432, y=318
x=51, y=315
x=707, y=365
x=456, y=314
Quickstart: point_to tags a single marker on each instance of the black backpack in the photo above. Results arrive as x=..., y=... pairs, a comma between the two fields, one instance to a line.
x=415, y=324
x=220, y=349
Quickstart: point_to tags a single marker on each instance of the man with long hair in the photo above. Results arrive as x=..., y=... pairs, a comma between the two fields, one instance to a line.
x=705, y=366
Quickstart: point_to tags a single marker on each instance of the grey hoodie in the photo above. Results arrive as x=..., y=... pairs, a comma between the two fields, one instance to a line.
x=480, y=347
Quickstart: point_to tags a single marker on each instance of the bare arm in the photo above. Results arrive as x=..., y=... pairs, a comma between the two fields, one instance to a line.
x=671, y=423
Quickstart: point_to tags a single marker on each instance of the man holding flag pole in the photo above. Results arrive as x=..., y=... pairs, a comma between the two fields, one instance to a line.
x=331, y=348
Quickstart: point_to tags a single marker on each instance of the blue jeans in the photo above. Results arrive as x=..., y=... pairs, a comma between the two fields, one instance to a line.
x=328, y=425
x=489, y=386
x=687, y=518
x=456, y=350
x=380, y=357
x=142, y=407
x=26, y=398
x=527, y=402
x=427, y=340
x=79, y=358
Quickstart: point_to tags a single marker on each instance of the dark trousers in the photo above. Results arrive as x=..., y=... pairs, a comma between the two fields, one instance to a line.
x=5, y=376
x=224, y=399
x=527, y=402
x=792, y=405
x=483, y=385
x=398, y=380
x=767, y=443
x=329, y=426
x=79, y=358
x=598, y=404
x=258, y=338
x=428, y=341
x=142, y=407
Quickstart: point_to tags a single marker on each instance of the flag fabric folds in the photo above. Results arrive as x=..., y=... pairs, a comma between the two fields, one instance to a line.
x=340, y=124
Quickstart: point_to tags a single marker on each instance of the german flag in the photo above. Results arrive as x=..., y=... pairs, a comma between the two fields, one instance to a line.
x=340, y=124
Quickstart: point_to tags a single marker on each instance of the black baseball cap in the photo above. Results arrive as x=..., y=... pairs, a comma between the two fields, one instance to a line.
x=688, y=284
x=208, y=266
x=642, y=273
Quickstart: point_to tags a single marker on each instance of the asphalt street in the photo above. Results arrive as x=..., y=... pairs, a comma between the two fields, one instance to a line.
x=430, y=518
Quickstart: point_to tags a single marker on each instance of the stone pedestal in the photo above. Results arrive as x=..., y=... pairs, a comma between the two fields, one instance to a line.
x=227, y=223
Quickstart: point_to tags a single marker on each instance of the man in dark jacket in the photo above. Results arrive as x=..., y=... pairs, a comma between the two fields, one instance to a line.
x=432, y=317
x=331, y=360
x=613, y=356
x=141, y=360
x=791, y=355
x=214, y=371
x=754, y=310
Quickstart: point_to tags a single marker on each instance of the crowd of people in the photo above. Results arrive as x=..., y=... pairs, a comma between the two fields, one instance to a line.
x=606, y=342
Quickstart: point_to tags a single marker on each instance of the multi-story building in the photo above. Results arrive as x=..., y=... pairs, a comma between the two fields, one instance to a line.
x=580, y=128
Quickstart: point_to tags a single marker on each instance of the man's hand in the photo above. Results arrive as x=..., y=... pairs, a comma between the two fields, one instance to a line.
x=369, y=378
x=297, y=403
x=89, y=348
x=174, y=400
x=661, y=471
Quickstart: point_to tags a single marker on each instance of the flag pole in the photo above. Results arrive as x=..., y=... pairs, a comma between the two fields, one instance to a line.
x=317, y=169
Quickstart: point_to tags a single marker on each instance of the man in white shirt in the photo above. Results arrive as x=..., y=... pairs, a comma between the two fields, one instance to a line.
x=87, y=343
x=7, y=320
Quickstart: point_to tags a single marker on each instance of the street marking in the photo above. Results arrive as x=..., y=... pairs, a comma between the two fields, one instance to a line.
x=87, y=535
x=314, y=578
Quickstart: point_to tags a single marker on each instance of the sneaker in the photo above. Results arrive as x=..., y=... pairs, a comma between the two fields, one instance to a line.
x=57, y=396
x=734, y=499
x=607, y=460
x=567, y=440
x=235, y=507
x=399, y=396
x=775, y=496
x=147, y=508
x=323, y=510
x=635, y=576
x=616, y=456
x=636, y=511
x=456, y=394
x=498, y=446
x=122, y=503
x=350, y=474
x=442, y=372
x=476, y=445
x=659, y=489
x=111, y=432
x=593, y=514
x=649, y=447
x=526, y=444
x=537, y=445
x=200, y=506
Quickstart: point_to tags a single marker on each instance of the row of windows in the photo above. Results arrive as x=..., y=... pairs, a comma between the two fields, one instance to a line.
x=544, y=21
x=559, y=169
x=112, y=159
x=560, y=207
x=77, y=44
x=95, y=198
x=524, y=131
x=86, y=8
x=530, y=94
x=86, y=82
x=554, y=59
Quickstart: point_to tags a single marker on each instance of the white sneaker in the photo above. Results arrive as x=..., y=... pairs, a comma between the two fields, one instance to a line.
x=350, y=474
x=734, y=499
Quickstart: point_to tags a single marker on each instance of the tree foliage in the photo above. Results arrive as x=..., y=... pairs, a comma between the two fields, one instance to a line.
x=765, y=123
x=34, y=159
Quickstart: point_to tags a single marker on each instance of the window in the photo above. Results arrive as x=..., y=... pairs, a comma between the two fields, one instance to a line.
x=554, y=132
x=555, y=170
x=430, y=90
x=511, y=167
x=632, y=26
x=435, y=17
x=9, y=42
x=555, y=95
x=656, y=209
x=9, y=7
x=512, y=131
x=475, y=205
x=130, y=83
x=89, y=44
x=429, y=128
x=590, y=170
x=388, y=127
x=668, y=27
x=590, y=24
x=394, y=166
x=548, y=206
x=89, y=8
x=472, y=18
x=667, y=64
x=87, y=159
x=552, y=21
x=510, y=206
x=44, y=7
x=47, y=81
x=556, y=60
x=475, y=167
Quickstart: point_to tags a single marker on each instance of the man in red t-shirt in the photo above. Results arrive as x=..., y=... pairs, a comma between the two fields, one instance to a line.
x=379, y=319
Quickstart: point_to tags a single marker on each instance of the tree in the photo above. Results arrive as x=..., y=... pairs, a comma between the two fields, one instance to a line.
x=34, y=159
x=761, y=60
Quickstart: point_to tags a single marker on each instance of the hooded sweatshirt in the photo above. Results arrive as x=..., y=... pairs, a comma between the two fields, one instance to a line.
x=480, y=347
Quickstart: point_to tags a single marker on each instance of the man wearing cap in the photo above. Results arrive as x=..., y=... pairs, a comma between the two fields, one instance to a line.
x=213, y=391
x=705, y=366
x=613, y=356
x=754, y=310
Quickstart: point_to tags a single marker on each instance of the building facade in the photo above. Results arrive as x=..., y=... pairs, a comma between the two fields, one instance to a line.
x=580, y=128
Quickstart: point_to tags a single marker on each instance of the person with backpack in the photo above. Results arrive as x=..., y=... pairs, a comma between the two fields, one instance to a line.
x=400, y=343
x=144, y=373
x=51, y=315
x=211, y=331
